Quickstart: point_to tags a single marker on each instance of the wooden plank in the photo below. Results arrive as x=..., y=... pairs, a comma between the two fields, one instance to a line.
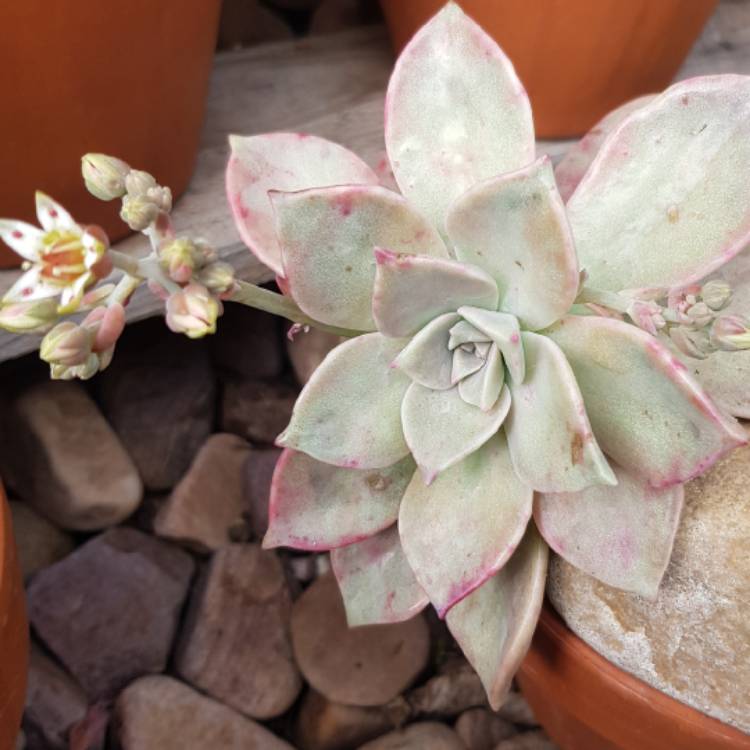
x=333, y=86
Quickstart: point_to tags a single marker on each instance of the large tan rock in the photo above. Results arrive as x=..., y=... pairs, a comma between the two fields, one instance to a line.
x=693, y=642
x=65, y=460
x=423, y=735
x=160, y=713
x=208, y=500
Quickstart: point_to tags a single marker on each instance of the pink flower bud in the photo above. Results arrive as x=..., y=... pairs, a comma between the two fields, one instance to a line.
x=193, y=311
x=731, y=333
x=67, y=344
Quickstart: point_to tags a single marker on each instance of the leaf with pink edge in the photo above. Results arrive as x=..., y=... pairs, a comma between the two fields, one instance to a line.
x=455, y=113
x=514, y=227
x=621, y=535
x=327, y=237
x=282, y=161
x=316, y=506
x=648, y=413
x=665, y=201
x=495, y=623
x=481, y=510
x=376, y=582
x=574, y=165
x=551, y=442
x=349, y=412
x=412, y=290
x=441, y=429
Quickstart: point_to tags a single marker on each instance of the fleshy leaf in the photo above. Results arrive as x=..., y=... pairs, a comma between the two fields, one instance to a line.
x=426, y=359
x=349, y=413
x=455, y=113
x=574, y=165
x=495, y=623
x=503, y=329
x=514, y=227
x=621, y=535
x=465, y=363
x=376, y=582
x=282, y=161
x=441, y=428
x=464, y=333
x=316, y=506
x=726, y=375
x=411, y=290
x=327, y=237
x=483, y=388
x=665, y=201
x=647, y=412
x=549, y=435
x=480, y=511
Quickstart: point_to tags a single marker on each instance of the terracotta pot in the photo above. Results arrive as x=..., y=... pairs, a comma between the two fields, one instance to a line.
x=126, y=78
x=585, y=702
x=580, y=58
x=14, y=634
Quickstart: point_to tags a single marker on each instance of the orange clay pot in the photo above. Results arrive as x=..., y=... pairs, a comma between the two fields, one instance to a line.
x=578, y=59
x=125, y=78
x=14, y=634
x=585, y=702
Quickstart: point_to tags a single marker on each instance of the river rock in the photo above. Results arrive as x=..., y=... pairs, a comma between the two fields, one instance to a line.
x=257, y=473
x=307, y=349
x=455, y=689
x=208, y=500
x=160, y=713
x=65, y=460
x=693, y=642
x=109, y=610
x=516, y=710
x=536, y=740
x=235, y=644
x=54, y=703
x=39, y=542
x=159, y=394
x=325, y=725
x=255, y=410
x=419, y=736
x=481, y=729
x=364, y=666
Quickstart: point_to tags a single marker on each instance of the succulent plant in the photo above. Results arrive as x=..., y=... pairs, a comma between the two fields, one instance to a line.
x=479, y=387
x=529, y=352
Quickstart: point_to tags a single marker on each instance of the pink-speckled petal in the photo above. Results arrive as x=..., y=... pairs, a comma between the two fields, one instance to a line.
x=316, y=506
x=349, y=412
x=726, y=375
x=648, y=413
x=621, y=535
x=665, y=201
x=455, y=113
x=282, y=161
x=412, y=290
x=514, y=227
x=551, y=442
x=51, y=214
x=426, y=359
x=461, y=529
x=495, y=623
x=441, y=429
x=30, y=286
x=574, y=165
x=22, y=238
x=327, y=237
x=376, y=582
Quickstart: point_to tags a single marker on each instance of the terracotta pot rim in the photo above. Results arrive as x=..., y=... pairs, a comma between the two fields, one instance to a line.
x=553, y=629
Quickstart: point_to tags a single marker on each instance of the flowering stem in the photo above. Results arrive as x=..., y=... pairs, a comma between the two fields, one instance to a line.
x=125, y=287
x=618, y=303
x=124, y=262
x=272, y=302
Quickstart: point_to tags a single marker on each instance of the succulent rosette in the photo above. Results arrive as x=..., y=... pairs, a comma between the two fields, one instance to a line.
x=474, y=394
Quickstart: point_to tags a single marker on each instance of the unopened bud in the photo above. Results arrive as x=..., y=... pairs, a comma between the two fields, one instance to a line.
x=161, y=197
x=138, y=182
x=731, y=333
x=179, y=258
x=217, y=277
x=138, y=213
x=67, y=344
x=104, y=176
x=646, y=315
x=28, y=317
x=716, y=294
x=699, y=315
x=695, y=344
x=193, y=311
